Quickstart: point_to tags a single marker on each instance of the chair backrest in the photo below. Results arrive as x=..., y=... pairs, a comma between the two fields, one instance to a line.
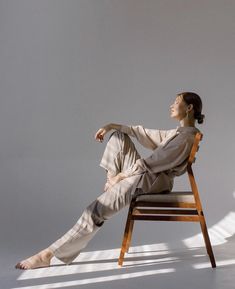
x=191, y=159
x=195, y=148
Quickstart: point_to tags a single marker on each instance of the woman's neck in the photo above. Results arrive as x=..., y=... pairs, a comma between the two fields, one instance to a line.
x=187, y=122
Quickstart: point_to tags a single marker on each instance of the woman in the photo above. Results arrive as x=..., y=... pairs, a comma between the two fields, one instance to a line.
x=129, y=174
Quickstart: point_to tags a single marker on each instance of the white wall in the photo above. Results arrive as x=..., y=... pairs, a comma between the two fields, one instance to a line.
x=69, y=67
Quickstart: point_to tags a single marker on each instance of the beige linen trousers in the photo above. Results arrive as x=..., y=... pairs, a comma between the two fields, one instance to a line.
x=170, y=148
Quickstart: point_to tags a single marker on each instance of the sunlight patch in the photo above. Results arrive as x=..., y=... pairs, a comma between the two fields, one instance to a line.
x=99, y=279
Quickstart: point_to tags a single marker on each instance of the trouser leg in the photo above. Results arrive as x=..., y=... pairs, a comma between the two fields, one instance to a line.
x=118, y=155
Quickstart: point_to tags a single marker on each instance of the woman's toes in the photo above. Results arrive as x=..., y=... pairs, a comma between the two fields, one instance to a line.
x=22, y=265
x=18, y=266
x=35, y=261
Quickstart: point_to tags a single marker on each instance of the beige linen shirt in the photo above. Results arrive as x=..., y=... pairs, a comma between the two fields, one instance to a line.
x=171, y=149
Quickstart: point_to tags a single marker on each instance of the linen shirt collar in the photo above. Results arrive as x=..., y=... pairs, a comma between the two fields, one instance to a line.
x=187, y=129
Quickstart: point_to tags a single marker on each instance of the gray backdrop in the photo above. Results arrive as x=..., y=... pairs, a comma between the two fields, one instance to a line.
x=69, y=67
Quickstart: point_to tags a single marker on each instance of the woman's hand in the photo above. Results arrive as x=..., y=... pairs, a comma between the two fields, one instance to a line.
x=114, y=180
x=102, y=131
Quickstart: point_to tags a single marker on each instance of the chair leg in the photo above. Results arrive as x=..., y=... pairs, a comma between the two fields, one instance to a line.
x=207, y=241
x=129, y=235
x=125, y=236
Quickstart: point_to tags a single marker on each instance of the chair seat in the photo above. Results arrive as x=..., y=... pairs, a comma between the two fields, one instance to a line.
x=173, y=196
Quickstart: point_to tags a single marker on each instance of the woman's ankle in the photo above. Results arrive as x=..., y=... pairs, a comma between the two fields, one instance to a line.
x=48, y=253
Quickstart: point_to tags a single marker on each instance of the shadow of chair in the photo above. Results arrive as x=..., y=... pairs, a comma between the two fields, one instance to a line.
x=183, y=206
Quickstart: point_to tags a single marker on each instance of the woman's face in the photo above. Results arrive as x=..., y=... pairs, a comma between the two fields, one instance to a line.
x=178, y=108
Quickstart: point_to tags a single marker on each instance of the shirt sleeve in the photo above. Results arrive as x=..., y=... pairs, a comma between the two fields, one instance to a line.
x=163, y=158
x=149, y=138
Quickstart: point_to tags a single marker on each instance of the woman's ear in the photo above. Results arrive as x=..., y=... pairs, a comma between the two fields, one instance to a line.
x=190, y=107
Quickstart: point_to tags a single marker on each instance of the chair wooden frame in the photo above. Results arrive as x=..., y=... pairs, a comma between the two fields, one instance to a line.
x=193, y=213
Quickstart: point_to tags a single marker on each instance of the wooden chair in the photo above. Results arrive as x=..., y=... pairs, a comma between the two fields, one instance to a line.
x=185, y=204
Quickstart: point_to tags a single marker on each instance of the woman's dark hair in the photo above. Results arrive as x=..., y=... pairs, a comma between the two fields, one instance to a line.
x=195, y=100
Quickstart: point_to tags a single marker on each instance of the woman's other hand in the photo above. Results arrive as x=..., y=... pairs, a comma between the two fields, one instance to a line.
x=112, y=180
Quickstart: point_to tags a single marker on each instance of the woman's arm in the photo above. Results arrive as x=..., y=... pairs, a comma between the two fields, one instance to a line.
x=149, y=138
x=175, y=153
x=115, y=126
x=99, y=135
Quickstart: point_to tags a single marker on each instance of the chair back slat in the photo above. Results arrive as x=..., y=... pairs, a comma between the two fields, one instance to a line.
x=191, y=159
x=195, y=148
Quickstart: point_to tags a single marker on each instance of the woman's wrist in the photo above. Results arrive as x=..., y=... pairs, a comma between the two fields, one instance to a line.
x=114, y=126
x=122, y=175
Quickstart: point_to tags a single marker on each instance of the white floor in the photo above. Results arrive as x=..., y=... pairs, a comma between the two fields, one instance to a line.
x=148, y=266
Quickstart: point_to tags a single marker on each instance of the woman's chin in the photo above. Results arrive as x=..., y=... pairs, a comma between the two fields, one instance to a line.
x=174, y=117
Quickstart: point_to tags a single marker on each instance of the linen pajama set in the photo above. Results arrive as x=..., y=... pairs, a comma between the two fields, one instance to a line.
x=155, y=174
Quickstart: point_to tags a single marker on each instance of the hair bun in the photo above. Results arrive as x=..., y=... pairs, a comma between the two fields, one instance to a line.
x=200, y=117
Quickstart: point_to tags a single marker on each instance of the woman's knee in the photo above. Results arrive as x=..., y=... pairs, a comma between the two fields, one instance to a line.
x=118, y=134
x=123, y=141
x=121, y=138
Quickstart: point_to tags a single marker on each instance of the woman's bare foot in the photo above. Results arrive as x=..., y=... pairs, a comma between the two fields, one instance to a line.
x=41, y=259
